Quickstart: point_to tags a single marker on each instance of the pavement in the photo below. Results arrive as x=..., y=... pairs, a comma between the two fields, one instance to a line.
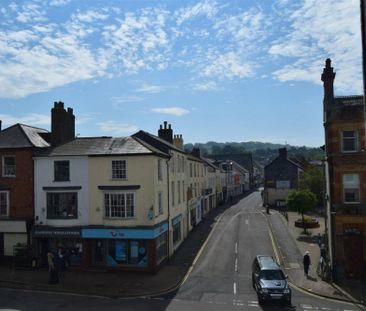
x=290, y=244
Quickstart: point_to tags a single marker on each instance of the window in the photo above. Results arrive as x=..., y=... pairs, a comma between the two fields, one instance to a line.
x=62, y=205
x=119, y=205
x=349, y=141
x=161, y=247
x=178, y=191
x=160, y=172
x=351, y=191
x=9, y=166
x=190, y=170
x=184, y=192
x=282, y=184
x=119, y=169
x=173, y=194
x=176, y=232
x=62, y=170
x=160, y=203
x=4, y=203
x=127, y=252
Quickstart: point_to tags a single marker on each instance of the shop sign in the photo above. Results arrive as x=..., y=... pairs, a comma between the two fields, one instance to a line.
x=56, y=232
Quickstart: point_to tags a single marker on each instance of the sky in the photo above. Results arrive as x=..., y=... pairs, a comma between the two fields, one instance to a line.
x=224, y=71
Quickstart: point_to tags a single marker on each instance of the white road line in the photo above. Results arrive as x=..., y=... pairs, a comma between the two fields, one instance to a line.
x=236, y=264
x=234, y=288
x=247, y=221
x=236, y=247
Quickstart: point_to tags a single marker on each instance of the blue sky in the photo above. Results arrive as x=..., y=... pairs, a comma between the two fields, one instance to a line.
x=238, y=70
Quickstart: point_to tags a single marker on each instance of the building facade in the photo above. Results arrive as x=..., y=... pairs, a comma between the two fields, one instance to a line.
x=344, y=124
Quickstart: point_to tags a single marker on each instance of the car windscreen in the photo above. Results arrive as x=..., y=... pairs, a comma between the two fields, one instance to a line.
x=272, y=275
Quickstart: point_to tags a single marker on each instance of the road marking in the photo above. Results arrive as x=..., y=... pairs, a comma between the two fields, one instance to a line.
x=234, y=288
x=236, y=264
x=247, y=221
x=236, y=247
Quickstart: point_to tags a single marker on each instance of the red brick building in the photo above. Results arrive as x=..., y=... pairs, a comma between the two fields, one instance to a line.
x=17, y=146
x=344, y=123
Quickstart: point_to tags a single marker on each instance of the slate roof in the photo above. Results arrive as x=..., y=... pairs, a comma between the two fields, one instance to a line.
x=98, y=146
x=156, y=142
x=243, y=159
x=23, y=136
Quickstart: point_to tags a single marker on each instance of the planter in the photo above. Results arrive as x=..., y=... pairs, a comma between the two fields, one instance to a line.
x=309, y=223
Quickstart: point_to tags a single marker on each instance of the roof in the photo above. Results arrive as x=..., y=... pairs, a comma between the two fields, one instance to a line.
x=156, y=142
x=98, y=146
x=354, y=100
x=23, y=136
x=243, y=159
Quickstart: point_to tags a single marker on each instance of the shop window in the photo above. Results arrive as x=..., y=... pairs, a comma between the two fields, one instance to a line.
x=9, y=166
x=127, y=252
x=4, y=204
x=71, y=248
x=176, y=233
x=119, y=205
x=62, y=170
x=161, y=247
x=351, y=188
x=119, y=169
x=349, y=141
x=62, y=205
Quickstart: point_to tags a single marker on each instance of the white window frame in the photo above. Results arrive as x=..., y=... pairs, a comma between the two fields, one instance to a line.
x=6, y=197
x=108, y=211
x=351, y=185
x=4, y=170
x=354, y=139
x=119, y=170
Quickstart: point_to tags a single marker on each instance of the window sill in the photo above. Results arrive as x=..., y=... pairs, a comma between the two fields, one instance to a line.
x=9, y=176
x=120, y=218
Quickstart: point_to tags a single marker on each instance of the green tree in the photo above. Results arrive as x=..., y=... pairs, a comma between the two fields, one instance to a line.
x=312, y=179
x=301, y=201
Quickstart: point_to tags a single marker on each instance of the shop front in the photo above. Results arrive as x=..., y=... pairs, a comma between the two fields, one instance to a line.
x=12, y=232
x=51, y=239
x=126, y=248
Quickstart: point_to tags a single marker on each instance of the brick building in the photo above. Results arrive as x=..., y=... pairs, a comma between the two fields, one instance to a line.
x=344, y=123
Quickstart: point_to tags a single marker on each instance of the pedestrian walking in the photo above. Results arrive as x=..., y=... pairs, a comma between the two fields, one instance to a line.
x=306, y=262
x=52, y=269
x=61, y=263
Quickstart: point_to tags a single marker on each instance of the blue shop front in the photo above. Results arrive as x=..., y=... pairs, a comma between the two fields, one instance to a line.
x=141, y=249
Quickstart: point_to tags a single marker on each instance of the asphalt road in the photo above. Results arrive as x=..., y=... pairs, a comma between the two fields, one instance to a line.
x=219, y=280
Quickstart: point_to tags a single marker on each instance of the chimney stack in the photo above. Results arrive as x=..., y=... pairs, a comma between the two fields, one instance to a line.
x=62, y=124
x=283, y=153
x=166, y=133
x=328, y=81
x=178, y=142
x=196, y=152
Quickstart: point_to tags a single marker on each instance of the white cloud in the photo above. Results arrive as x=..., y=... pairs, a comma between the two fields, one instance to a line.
x=116, y=128
x=59, y=2
x=318, y=30
x=31, y=12
x=176, y=111
x=206, y=8
x=33, y=119
x=91, y=16
x=123, y=100
x=150, y=89
x=206, y=86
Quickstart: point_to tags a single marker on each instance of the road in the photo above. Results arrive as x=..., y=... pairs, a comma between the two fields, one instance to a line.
x=219, y=280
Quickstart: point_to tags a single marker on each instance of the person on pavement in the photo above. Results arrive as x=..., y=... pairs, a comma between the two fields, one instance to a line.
x=306, y=262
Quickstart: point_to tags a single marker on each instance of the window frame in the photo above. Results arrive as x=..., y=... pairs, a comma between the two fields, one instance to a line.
x=354, y=139
x=351, y=186
x=57, y=171
x=6, y=193
x=4, y=166
x=61, y=215
x=126, y=212
x=119, y=170
x=160, y=169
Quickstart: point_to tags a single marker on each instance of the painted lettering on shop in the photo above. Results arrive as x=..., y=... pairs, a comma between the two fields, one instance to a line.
x=116, y=233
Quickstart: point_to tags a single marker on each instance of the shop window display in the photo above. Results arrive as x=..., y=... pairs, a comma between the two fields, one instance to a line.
x=127, y=252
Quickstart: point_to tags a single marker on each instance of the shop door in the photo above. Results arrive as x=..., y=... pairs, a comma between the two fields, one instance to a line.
x=99, y=252
x=353, y=254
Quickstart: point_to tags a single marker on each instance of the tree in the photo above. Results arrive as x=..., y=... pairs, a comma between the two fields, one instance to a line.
x=301, y=201
x=313, y=180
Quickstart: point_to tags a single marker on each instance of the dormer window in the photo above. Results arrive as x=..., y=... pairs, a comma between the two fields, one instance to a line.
x=349, y=141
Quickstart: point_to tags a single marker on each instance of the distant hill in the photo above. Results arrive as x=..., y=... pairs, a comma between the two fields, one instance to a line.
x=263, y=153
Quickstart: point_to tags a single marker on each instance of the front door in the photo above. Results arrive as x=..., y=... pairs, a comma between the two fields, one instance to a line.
x=99, y=247
x=354, y=253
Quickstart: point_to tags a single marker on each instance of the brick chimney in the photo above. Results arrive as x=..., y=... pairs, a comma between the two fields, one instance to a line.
x=178, y=141
x=62, y=124
x=196, y=152
x=283, y=153
x=328, y=82
x=166, y=133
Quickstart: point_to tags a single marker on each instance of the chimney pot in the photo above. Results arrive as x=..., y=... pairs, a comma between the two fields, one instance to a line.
x=165, y=123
